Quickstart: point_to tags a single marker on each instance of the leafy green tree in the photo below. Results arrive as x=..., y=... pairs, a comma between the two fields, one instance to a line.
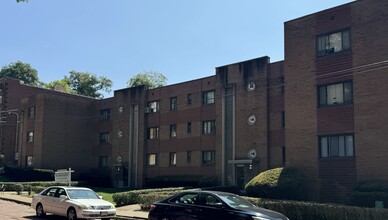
x=150, y=79
x=59, y=83
x=21, y=71
x=88, y=84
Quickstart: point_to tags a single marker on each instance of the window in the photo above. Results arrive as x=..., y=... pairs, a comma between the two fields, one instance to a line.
x=1, y=99
x=340, y=93
x=187, y=198
x=50, y=192
x=29, y=161
x=210, y=200
x=208, y=157
x=105, y=114
x=30, y=136
x=283, y=119
x=31, y=112
x=103, y=161
x=336, y=146
x=153, y=133
x=151, y=159
x=208, y=97
x=104, y=138
x=333, y=43
x=173, y=131
x=173, y=103
x=172, y=159
x=154, y=106
x=209, y=127
x=189, y=127
x=189, y=99
x=188, y=157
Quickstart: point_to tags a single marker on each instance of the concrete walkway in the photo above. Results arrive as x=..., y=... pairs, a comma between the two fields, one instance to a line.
x=124, y=212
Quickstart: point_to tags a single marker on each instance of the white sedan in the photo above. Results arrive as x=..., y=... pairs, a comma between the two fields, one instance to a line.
x=72, y=202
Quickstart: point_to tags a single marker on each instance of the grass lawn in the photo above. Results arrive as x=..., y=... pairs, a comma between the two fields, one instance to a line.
x=107, y=193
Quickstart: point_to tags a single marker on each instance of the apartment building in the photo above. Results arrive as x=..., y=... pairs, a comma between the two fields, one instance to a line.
x=215, y=126
x=336, y=97
x=321, y=110
x=11, y=93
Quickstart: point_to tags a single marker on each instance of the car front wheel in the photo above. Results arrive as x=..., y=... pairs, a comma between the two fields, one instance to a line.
x=39, y=210
x=71, y=214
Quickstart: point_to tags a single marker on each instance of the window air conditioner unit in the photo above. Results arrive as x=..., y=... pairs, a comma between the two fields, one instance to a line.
x=148, y=110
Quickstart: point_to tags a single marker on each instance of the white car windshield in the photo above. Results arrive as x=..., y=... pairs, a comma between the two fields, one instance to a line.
x=81, y=194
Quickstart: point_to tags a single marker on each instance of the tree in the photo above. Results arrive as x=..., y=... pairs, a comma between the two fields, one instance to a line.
x=21, y=1
x=150, y=79
x=59, y=83
x=87, y=84
x=21, y=71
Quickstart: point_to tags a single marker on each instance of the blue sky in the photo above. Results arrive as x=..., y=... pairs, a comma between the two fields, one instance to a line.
x=183, y=39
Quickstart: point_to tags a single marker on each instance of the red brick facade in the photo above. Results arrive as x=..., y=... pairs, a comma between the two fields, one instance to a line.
x=321, y=110
x=330, y=179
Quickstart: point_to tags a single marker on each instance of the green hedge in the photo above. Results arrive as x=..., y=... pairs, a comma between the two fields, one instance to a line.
x=278, y=183
x=365, y=194
x=28, y=175
x=297, y=210
x=181, y=181
x=35, y=186
x=294, y=210
x=146, y=200
x=133, y=197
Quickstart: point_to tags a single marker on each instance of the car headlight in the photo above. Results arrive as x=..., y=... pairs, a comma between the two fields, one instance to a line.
x=84, y=206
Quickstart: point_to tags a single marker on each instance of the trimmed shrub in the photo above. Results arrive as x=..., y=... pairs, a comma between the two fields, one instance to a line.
x=173, y=181
x=297, y=210
x=278, y=183
x=183, y=180
x=36, y=186
x=133, y=197
x=372, y=186
x=18, y=188
x=230, y=189
x=365, y=194
x=146, y=200
x=208, y=181
x=96, y=180
x=27, y=175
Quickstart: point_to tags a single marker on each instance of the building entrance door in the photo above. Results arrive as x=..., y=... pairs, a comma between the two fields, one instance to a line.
x=240, y=176
x=125, y=176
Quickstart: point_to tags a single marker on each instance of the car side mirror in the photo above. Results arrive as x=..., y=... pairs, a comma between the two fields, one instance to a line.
x=100, y=197
x=63, y=197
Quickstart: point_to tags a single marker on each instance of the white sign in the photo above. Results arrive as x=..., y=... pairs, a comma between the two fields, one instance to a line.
x=63, y=176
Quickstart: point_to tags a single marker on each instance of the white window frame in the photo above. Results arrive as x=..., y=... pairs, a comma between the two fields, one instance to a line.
x=104, y=138
x=209, y=127
x=208, y=157
x=154, y=106
x=336, y=146
x=173, y=159
x=335, y=94
x=209, y=97
x=333, y=42
x=153, y=133
x=151, y=159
